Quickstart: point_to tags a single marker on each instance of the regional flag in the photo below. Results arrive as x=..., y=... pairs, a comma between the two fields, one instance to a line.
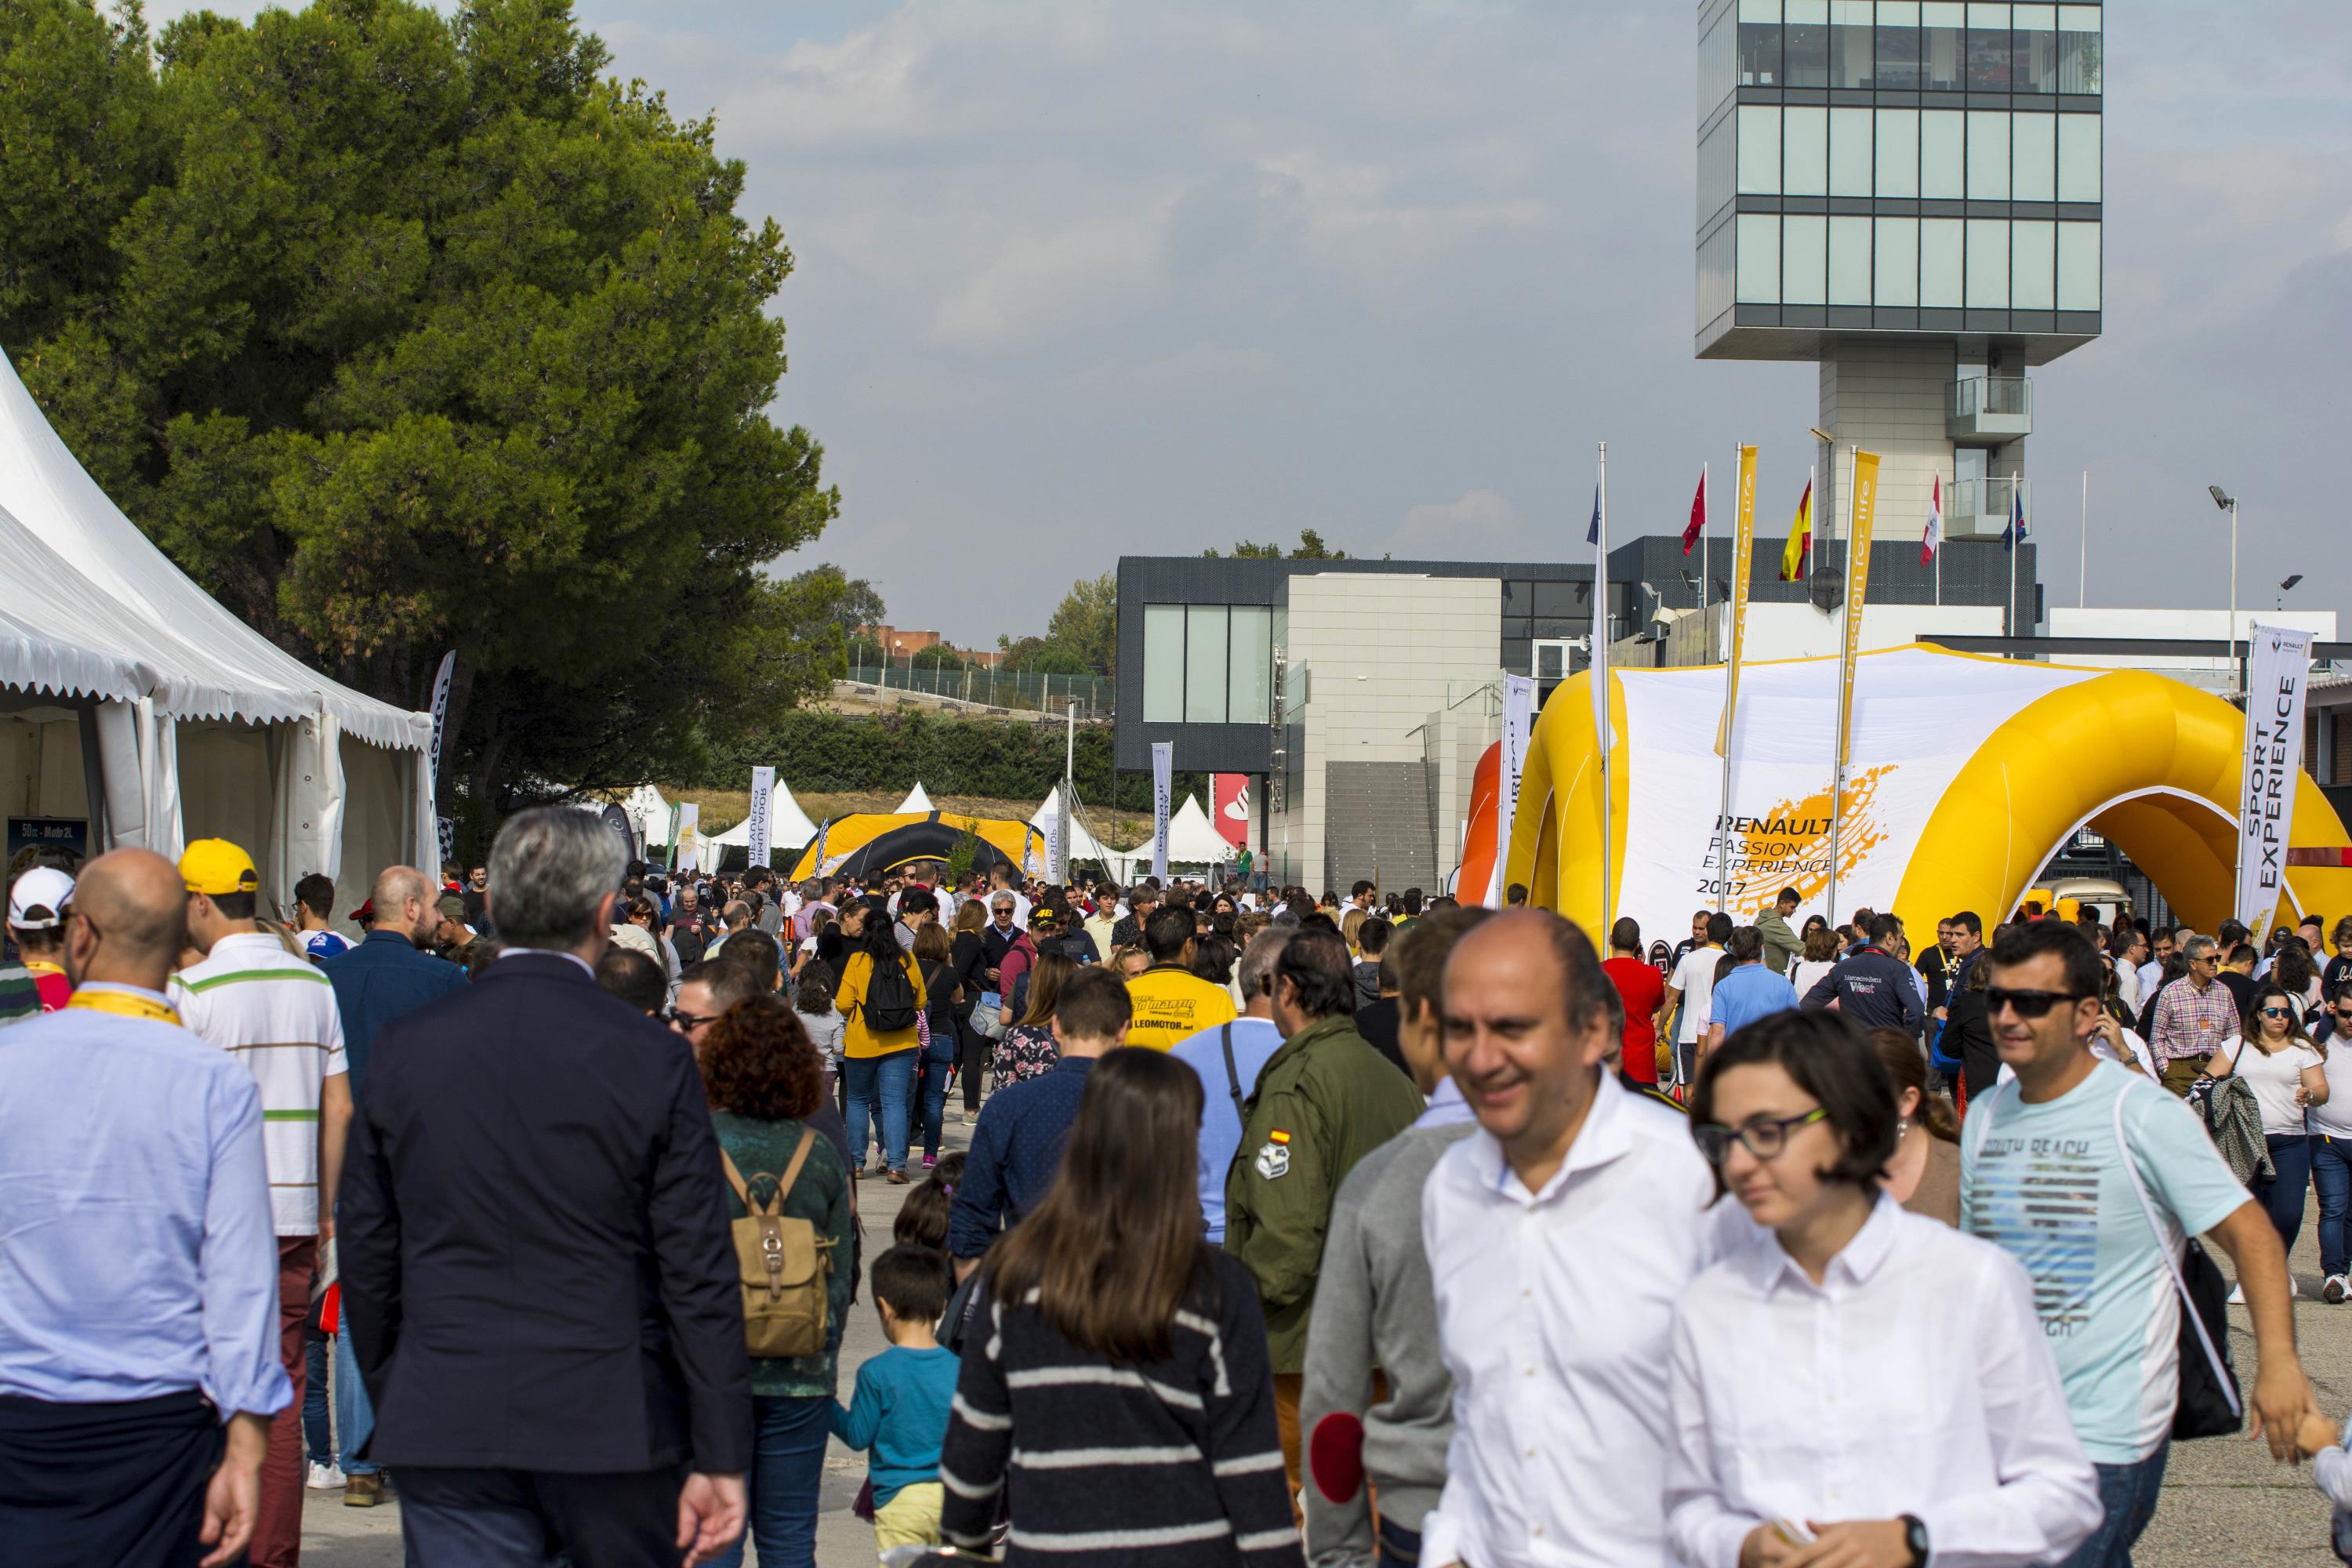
x=1932, y=538
x=1800, y=539
x=1592, y=533
x=1698, y=513
x=2016, y=529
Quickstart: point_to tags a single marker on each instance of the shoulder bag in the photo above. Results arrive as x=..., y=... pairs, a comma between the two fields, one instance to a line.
x=2209, y=1405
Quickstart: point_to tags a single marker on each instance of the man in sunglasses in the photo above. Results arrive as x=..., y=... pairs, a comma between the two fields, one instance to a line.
x=2065, y=1168
x=2193, y=1015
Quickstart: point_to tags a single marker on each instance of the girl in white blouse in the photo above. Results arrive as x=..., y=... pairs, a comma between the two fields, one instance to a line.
x=1864, y=1387
x=2287, y=1072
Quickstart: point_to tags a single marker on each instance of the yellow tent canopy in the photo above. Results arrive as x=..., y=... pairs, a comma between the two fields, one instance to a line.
x=868, y=843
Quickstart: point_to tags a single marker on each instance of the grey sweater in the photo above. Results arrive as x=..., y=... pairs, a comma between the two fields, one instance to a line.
x=1374, y=1307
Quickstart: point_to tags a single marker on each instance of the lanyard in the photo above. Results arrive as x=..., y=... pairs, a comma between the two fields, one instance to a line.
x=125, y=1004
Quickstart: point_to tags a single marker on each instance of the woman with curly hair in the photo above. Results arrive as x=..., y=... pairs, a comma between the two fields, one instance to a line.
x=765, y=1081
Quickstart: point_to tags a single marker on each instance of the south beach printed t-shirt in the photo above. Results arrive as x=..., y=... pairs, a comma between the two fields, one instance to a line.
x=277, y=1013
x=2046, y=1183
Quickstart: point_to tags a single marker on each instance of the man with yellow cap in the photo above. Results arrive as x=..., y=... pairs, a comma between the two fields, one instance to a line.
x=255, y=996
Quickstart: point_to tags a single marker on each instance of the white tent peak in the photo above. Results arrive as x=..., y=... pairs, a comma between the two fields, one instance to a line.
x=917, y=803
x=1193, y=839
x=789, y=826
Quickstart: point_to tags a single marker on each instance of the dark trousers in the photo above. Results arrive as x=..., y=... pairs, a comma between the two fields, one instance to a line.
x=2281, y=1194
x=459, y=1518
x=317, y=1427
x=278, y=1524
x=975, y=1062
x=2129, y=1494
x=121, y=1484
x=788, y=1437
x=1399, y=1547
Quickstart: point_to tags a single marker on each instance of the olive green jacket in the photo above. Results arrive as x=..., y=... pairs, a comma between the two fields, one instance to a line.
x=1321, y=1103
x=1780, y=943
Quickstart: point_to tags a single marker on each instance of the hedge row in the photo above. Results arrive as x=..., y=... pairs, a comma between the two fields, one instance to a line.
x=821, y=752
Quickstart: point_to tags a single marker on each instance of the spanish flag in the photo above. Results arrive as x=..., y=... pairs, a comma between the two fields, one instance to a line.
x=1800, y=539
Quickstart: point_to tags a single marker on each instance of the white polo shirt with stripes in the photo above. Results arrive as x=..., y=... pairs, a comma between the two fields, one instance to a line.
x=276, y=1011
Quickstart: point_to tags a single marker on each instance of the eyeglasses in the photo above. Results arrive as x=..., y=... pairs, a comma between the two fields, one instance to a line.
x=689, y=1022
x=2026, y=1004
x=1763, y=1139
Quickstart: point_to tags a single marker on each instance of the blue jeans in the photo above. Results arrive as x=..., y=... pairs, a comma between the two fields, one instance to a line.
x=2281, y=1194
x=317, y=1436
x=930, y=1088
x=2331, y=1173
x=788, y=1437
x=354, y=1417
x=2129, y=1492
x=877, y=1097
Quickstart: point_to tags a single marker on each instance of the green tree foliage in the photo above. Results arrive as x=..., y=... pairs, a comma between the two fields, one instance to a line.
x=997, y=758
x=939, y=655
x=853, y=601
x=403, y=332
x=1085, y=625
x=1310, y=547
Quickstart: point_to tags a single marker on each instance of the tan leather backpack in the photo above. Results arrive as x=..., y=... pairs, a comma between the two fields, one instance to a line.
x=785, y=1267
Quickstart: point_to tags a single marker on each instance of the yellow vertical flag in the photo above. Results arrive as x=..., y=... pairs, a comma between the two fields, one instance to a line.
x=1857, y=583
x=1801, y=538
x=1743, y=558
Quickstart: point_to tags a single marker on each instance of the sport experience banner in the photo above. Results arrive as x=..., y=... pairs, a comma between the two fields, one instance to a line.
x=763, y=795
x=1163, y=764
x=2278, y=674
x=1921, y=716
x=1518, y=725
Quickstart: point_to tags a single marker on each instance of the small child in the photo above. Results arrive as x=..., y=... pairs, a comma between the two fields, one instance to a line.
x=923, y=1218
x=900, y=1407
x=2331, y=1472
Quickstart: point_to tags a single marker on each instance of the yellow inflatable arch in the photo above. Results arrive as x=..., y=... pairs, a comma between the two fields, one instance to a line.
x=2149, y=763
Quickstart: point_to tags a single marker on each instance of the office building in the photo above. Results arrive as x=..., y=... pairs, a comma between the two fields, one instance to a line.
x=1907, y=194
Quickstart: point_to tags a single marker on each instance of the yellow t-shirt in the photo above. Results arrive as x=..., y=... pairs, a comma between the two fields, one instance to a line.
x=1173, y=1003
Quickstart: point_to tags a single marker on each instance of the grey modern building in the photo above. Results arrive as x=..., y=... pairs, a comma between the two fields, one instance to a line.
x=1907, y=194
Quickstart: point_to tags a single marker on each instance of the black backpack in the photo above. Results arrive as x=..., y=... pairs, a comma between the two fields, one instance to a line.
x=889, y=1005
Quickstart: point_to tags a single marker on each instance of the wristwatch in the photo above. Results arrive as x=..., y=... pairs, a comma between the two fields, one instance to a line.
x=1915, y=1536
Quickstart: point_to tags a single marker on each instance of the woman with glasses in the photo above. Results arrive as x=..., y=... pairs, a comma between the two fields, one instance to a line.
x=1864, y=1379
x=2287, y=1073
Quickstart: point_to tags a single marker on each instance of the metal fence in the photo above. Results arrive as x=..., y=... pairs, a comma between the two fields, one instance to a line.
x=1091, y=694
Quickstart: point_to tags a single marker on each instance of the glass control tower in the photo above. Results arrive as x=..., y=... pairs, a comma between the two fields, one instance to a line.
x=1907, y=194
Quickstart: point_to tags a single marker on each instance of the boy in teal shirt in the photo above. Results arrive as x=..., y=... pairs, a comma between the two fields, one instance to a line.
x=899, y=1410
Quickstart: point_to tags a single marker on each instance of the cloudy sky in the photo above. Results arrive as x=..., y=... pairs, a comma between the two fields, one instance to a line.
x=1082, y=279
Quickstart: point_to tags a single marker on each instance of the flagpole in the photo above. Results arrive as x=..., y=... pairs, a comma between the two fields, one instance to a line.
x=1706, y=534
x=1837, y=741
x=1730, y=691
x=2009, y=526
x=1941, y=529
x=1600, y=669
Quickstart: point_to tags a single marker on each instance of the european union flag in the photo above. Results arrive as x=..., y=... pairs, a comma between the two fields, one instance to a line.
x=2016, y=529
x=1592, y=534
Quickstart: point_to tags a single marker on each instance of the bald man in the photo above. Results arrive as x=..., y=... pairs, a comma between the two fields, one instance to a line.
x=390, y=973
x=141, y=1350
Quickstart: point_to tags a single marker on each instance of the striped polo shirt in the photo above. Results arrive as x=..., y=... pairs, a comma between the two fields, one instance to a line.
x=275, y=1010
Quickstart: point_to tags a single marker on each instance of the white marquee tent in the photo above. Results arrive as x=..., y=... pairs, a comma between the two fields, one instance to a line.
x=1192, y=838
x=916, y=804
x=789, y=826
x=1081, y=845
x=130, y=698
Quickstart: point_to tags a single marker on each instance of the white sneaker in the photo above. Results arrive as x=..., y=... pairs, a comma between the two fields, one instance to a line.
x=2333, y=1292
x=2237, y=1295
x=325, y=1479
x=2293, y=1289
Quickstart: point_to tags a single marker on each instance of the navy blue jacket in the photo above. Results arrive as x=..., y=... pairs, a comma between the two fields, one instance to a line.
x=1015, y=1151
x=375, y=983
x=1872, y=990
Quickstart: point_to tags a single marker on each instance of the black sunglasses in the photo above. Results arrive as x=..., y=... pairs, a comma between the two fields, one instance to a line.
x=2026, y=1004
x=689, y=1022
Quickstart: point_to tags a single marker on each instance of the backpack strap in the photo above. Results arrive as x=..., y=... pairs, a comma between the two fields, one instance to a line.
x=1232, y=1073
x=783, y=1184
x=2171, y=1258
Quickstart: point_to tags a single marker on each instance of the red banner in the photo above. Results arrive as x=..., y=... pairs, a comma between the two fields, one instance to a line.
x=1231, y=812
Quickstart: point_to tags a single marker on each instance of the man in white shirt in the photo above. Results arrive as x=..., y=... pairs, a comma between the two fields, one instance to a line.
x=2130, y=950
x=275, y=1011
x=1560, y=1235
x=2151, y=973
x=1694, y=986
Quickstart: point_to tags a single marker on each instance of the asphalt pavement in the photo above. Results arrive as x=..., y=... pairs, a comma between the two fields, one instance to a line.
x=2224, y=1503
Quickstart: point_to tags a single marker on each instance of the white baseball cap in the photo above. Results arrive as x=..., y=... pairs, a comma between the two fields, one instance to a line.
x=40, y=894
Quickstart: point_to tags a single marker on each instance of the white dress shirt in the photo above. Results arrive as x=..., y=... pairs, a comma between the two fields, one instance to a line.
x=1554, y=1313
x=1913, y=1379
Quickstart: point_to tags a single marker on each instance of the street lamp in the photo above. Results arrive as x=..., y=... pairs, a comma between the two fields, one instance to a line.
x=2288, y=587
x=2228, y=503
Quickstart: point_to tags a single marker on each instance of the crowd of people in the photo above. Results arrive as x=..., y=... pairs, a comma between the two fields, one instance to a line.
x=1374, y=1230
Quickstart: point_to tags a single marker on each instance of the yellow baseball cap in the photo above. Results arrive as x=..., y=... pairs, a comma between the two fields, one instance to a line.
x=216, y=865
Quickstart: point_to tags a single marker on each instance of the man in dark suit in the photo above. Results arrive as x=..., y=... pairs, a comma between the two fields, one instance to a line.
x=544, y=1295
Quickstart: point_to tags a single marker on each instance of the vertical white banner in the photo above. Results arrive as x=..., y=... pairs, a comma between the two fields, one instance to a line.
x=2275, y=682
x=688, y=844
x=763, y=798
x=1519, y=724
x=1163, y=762
x=1056, y=870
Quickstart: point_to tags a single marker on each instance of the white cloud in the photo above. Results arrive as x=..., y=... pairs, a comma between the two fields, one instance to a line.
x=1041, y=285
x=1479, y=523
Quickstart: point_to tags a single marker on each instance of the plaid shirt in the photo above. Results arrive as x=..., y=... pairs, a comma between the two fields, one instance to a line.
x=2191, y=1022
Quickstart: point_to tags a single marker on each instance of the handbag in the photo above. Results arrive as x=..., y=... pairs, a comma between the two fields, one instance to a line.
x=988, y=1018
x=2208, y=1404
